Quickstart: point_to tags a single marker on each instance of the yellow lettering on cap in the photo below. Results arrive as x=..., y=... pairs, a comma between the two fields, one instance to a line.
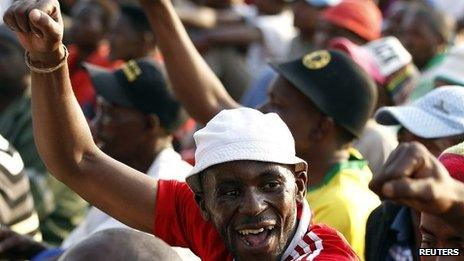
x=317, y=60
x=131, y=70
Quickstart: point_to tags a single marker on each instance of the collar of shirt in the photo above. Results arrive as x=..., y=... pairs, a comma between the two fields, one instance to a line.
x=402, y=225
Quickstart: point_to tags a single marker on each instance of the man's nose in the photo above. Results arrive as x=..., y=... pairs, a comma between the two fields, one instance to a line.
x=253, y=203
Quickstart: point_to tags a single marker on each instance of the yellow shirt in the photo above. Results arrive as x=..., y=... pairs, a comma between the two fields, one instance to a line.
x=343, y=200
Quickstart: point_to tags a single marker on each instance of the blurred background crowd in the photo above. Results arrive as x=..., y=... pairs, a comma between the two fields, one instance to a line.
x=412, y=49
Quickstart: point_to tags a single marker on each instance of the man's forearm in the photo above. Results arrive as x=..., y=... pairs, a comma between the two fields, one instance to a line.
x=234, y=35
x=60, y=129
x=194, y=84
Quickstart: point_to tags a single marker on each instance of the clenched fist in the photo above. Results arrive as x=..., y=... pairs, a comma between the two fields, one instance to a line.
x=39, y=26
x=414, y=177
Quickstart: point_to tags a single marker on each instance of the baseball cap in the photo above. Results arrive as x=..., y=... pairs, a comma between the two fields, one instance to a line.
x=453, y=160
x=138, y=84
x=336, y=85
x=450, y=70
x=242, y=134
x=358, y=16
x=387, y=61
x=439, y=113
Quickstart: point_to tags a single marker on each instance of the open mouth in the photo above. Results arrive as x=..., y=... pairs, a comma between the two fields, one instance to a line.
x=257, y=237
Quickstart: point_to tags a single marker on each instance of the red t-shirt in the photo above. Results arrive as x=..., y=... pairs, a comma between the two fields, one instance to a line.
x=178, y=222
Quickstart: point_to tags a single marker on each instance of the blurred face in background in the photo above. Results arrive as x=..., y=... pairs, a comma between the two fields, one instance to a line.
x=270, y=7
x=436, y=145
x=125, y=42
x=435, y=233
x=419, y=39
x=13, y=71
x=120, y=132
x=88, y=28
x=305, y=17
x=393, y=19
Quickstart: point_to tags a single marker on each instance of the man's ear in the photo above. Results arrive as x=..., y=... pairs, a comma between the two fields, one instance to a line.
x=301, y=181
x=149, y=39
x=200, y=199
x=153, y=122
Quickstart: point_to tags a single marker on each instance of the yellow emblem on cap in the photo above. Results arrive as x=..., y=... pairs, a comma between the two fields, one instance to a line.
x=131, y=70
x=317, y=60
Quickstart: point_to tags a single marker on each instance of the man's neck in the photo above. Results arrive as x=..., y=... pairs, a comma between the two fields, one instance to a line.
x=144, y=161
x=320, y=164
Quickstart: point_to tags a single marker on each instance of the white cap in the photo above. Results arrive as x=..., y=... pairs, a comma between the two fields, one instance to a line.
x=388, y=54
x=243, y=134
x=440, y=113
x=450, y=70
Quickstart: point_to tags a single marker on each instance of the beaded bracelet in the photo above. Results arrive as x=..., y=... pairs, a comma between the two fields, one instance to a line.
x=49, y=69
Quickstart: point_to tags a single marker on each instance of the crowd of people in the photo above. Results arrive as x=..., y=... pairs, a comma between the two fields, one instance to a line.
x=231, y=130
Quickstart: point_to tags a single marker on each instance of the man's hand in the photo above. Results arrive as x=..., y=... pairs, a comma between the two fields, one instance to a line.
x=16, y=246
x=414, y=177
x=39, y=27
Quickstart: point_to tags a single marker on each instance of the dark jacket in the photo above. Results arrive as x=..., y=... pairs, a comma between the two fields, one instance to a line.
x=380, y=236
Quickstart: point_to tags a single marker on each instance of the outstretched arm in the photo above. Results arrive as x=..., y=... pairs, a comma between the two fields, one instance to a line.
x=194, y=84
x=61, y=132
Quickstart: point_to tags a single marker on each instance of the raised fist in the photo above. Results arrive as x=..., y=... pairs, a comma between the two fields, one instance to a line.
x=38, y=24
x=414, y=177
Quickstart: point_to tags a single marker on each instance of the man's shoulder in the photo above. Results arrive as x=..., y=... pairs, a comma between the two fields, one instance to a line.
x=329, y=244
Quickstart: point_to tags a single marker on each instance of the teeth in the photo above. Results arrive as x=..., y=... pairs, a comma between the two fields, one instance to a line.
x=251, y=231
x=254, y=231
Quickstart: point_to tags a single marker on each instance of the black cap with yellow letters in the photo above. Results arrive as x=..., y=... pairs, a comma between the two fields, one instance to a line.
x=139, y=84
x=336, y=85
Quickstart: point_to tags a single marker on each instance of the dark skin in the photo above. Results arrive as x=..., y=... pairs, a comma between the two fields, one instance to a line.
x=392, y=22
x=420, y=39
x=128, y=135
x=326, y=31
x=64, y=140
x=124, y=134
x=14, y=75
x=435, y=146
x=88, y=29
x=412, y=176
x=240, y=34
x=436, y=233
x=191, y=76
x=14, y=246
x=126, y=43
x=316, y=140
x=305, y=18
x=243, y=195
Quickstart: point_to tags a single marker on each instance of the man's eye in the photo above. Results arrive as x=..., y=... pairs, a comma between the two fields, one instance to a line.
x=231, y=193
x=271, y=185
x=426, y=242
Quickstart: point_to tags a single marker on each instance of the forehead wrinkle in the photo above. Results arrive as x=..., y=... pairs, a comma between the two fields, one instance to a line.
x=223, y=174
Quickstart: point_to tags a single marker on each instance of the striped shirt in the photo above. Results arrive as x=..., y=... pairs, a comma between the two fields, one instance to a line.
x=16, y=204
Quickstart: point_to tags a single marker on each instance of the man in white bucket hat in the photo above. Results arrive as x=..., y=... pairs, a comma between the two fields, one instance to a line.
x=244, y=199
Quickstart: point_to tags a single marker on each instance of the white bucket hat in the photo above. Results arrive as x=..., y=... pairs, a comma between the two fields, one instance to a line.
x=440, y=113
x=243, y=134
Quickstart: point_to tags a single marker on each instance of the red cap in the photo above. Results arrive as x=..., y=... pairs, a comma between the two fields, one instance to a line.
x=453, y=160
x=361, y=17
